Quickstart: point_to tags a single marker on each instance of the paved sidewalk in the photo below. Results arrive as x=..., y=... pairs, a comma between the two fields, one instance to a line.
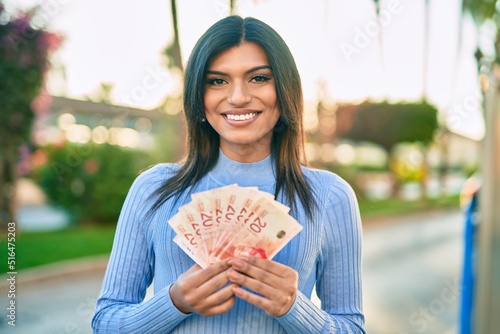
x=64, y=270
x=408, y=262
x=411, y=274
x=56, y=298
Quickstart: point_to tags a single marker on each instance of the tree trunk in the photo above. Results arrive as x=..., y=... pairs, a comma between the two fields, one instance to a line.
x=232, y=7
x=487, y=302
x=396, y=182
x=8, y=159
x=425, y=175
x=427, y=20
x=443, y=165
x=176, y=47
x=380, y=37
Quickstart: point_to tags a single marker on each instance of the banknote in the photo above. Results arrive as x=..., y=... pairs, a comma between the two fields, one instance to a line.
x=231, y=221
x=237, y=210
x=235, y=201
x=262, y=231
x=203, y=210
x=187, y=228
x=190, y=251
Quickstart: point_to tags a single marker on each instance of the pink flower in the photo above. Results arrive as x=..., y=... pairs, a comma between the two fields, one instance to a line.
x=41, y=104
x=48, y=42
x=91, y=166
x=39, y=158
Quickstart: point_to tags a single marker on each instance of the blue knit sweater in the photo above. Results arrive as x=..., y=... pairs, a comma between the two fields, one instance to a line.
x=326, y=253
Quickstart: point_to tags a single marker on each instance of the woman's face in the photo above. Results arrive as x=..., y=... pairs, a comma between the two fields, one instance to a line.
x=240, y=102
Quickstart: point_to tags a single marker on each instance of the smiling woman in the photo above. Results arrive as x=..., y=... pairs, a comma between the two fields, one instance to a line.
x=243, y=107
x=240, y=102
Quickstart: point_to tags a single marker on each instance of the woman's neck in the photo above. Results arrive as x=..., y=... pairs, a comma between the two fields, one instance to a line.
x=249, y=153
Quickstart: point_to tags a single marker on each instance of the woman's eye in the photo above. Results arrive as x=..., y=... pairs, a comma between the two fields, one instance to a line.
x=260, y=78
x=215, y=82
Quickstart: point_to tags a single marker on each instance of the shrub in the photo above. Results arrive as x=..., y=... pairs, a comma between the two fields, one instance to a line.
x=90, y=181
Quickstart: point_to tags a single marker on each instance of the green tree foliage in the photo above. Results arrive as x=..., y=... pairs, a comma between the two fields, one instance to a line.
x=389, y=124
x=481, y=11
x=90, y=181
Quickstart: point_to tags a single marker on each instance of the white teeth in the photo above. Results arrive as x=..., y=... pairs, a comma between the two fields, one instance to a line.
x=240, y=117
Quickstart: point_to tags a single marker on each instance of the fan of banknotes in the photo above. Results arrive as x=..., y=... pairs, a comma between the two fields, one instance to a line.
x=231, y=221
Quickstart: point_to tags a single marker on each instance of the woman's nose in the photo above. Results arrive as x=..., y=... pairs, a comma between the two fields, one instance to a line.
x=238, y=94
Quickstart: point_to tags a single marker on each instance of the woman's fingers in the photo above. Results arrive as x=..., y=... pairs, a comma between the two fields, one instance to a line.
x=274, y=301
x=262, y=302
x=255, y=284
x=274, y=284
x=207, y=292
x=269, y=272
x=273, y=267
x=202, y=290
x=220, y=302
x=198, y=275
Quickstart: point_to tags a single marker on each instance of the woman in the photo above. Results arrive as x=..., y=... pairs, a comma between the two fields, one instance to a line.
x=243, y=106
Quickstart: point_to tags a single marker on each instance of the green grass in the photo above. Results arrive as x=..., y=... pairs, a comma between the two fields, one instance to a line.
x=34, y=249
x=389, y=207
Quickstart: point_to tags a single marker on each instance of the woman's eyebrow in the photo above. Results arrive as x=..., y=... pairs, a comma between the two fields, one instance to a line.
x=258, y=68
x=253, y=69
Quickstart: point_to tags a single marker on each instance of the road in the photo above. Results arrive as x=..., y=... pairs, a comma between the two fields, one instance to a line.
x=410, y=270
x=411, y=274
x=54, y=307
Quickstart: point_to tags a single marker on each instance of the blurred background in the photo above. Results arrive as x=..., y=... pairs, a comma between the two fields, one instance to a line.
x=394, y=103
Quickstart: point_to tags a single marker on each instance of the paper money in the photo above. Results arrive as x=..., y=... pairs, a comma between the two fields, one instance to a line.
x=231, y=221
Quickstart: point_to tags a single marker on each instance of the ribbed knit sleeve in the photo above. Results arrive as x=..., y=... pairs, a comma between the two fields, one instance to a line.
x=120, y=307
x=338, y=283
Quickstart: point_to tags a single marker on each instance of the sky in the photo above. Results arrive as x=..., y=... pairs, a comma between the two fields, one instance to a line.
x=343, y=53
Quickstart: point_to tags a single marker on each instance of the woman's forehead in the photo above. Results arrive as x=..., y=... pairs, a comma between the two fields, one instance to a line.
x=244, y=56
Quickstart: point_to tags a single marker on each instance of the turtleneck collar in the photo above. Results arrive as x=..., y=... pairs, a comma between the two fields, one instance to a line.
x=259, y=174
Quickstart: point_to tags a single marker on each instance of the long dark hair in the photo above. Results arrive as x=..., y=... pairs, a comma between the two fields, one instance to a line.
x=287, y=146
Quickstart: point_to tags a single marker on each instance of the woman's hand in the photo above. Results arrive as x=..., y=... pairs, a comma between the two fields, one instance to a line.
x=274, y=282
x=202, y=291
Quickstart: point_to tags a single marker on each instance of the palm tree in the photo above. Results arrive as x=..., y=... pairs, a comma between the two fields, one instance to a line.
x=426, y=42
x=443, y=131
x=427, y=23
x=173, y=51
x=487, y=303
x=380, y=35
x=232, y=7
x=175, y=64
